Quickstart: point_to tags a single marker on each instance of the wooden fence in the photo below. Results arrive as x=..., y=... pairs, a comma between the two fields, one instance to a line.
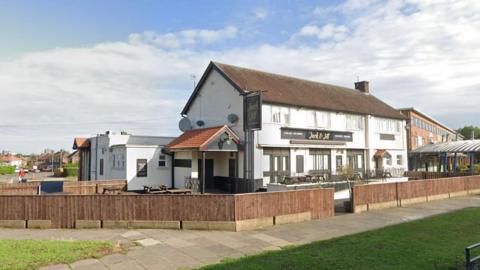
x=19, y=189
x=71, y=187
x=64, y=210
x=375, y=196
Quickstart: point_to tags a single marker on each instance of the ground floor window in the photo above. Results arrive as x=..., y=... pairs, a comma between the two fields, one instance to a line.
x=320, y=159
x=142, y=168
x=300, y=164
x=278, y=163
x=355, y=159
x=339, y=163
x=399, y=160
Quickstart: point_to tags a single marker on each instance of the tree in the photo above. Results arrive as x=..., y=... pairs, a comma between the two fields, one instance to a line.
x=466, y=131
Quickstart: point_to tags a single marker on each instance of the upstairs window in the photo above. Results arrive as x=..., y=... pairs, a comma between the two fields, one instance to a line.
x=280, y=115
x=387, y=125
x=354, y=122
x=322, y=119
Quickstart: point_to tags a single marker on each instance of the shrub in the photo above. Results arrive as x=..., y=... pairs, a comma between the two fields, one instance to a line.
x=70, y=169
x=7, y=169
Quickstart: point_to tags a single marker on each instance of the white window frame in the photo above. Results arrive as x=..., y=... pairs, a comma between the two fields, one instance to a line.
x=162, y=158
x=354, y=122
x=322, y=119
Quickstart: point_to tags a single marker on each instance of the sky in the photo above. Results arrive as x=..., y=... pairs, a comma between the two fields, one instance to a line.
x=79, y=68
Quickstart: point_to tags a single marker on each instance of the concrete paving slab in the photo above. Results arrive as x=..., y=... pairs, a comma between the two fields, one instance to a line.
x=133, y=235
x=114, y=259
x=148, y=242
x=56, y=267
x=88, y=264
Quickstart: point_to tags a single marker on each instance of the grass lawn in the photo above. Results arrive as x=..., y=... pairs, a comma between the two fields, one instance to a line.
x=32, y=254
x=433, y=243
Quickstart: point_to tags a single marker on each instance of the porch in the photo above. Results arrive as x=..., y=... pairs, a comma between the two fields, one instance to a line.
x=209, y=160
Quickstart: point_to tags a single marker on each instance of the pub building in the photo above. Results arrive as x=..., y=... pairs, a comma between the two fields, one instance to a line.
x=280, y=126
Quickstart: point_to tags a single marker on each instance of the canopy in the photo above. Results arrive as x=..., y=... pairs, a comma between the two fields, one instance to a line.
x=468, y=146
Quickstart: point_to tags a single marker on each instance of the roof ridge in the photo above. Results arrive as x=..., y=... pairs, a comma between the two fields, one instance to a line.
x=288, y=76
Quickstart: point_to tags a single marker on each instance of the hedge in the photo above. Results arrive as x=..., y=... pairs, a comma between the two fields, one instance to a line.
x=70, y=169
x=7, y=169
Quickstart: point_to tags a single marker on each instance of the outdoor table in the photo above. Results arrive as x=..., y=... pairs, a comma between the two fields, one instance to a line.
x=150, y=189
x=112, y=190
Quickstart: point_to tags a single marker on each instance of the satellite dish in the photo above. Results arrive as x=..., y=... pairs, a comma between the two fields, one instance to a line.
x=232, y=118
x=185, y=124
x=200, y=123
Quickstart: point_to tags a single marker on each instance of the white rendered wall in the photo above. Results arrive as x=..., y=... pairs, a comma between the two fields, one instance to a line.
x=155, y=175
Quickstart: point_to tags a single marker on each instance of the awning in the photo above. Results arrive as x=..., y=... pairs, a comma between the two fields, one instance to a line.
x=220, y=138
x=382, y=153
x=467, y=146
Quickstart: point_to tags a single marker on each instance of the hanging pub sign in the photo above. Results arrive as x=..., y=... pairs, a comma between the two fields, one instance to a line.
x=316, y=135
x=252, y=112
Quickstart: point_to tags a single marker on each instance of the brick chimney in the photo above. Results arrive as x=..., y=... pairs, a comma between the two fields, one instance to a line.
x=362, y=87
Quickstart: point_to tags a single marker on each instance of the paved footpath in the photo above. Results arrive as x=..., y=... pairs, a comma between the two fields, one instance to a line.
x=171, y=249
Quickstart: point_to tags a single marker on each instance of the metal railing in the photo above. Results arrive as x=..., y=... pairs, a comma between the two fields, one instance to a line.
x=472, y=263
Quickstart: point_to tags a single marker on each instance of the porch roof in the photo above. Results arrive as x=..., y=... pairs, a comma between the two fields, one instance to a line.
x=81, y=143
x=382, y=153
x=201, y=139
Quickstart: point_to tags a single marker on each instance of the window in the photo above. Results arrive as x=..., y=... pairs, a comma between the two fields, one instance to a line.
x=300, y=166
x=399, y=160
x=280, y=115
x=387, y=125
x=320, y=162
x=142, y=166
x=388, y=159
x=101, y=166
x=339, y=163
x=276, y=163
x=354, y=122
x=113, y=161
x=276, y=115
x=355, y=160
x=311, y=119
x=162, y=161
x=322, y=119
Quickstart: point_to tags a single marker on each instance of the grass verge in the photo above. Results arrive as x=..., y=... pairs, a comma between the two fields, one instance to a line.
x=433, y=243
x=32, y=254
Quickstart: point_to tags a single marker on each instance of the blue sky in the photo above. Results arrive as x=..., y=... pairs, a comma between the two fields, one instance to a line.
x=39, y=25
x=78, y=68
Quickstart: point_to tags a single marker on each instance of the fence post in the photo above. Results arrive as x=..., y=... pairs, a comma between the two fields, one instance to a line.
x=399, y=204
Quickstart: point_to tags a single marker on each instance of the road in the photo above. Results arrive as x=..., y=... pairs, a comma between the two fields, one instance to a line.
x=13, y=178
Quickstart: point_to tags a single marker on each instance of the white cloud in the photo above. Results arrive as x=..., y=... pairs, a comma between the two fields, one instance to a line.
x=428, y=57
x=328, y=31
x=260, y=13
x=185, y=38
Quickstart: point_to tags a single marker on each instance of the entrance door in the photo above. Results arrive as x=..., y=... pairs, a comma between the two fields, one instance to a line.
x=209, y=181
